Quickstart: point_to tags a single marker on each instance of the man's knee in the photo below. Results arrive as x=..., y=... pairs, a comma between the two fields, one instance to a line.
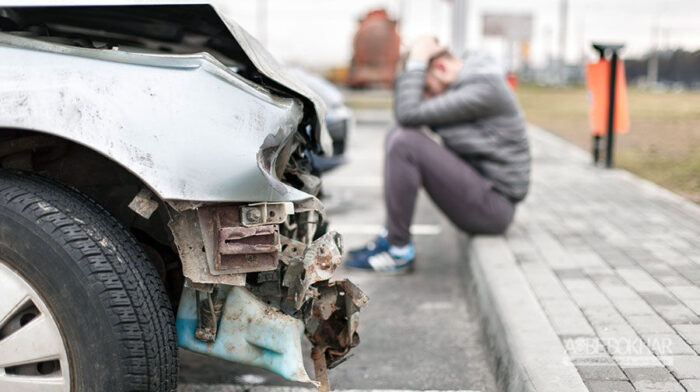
x=402, y=140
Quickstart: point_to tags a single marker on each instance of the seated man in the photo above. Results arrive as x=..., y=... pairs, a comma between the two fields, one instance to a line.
x=480, y=173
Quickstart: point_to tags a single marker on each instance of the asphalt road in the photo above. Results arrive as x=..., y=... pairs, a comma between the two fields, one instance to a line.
x=420, y=331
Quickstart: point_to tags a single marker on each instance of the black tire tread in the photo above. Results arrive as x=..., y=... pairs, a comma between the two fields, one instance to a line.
x=125, y=280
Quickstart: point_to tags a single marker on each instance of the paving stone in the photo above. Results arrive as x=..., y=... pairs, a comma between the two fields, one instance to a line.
x=685, y=292
x=667, y=344
x=609, y=386
x=615, y=289
x=543, y=281
x=586, y=349
x=656, y=299
x=569, y=273
x=658, y=386
x=691, y=385
x=693, y=305
x=691, y=333
x=683, y=366
x=630, y=307
x=566, y=317
x=656, y=379
x=656, y=374
x=638, y=361
x=608, y=371
x=648, y=324
x=677, y=314
x=585, y=294
x=640, y=280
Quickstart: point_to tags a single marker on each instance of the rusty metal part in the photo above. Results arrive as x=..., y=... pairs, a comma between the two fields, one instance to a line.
x=320, y=369
x=299, y=286
x=332, y=324
x=248, y=249
x=209, y=306
x=143, y=203
x=187, y=236
x=319, y=262
x=203, y=287
x=291, y=249
x=265, y=213
x=231, y=247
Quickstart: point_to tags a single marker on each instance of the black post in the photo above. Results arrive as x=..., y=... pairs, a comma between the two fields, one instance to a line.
x=611, y=112
x=596, y=148
x=603, y=49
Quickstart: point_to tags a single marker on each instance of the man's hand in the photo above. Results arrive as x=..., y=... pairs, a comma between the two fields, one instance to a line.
x=424, y=48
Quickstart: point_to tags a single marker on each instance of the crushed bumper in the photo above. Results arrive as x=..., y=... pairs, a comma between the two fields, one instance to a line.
x=257, y=282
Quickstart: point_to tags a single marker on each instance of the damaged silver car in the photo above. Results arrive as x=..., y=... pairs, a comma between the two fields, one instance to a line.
x=155, y=157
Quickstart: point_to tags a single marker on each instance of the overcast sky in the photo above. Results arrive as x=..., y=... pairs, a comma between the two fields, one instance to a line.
x=318, y=33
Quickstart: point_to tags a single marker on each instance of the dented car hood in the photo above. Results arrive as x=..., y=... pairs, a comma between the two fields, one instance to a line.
x=256, y=53
x=267, y=65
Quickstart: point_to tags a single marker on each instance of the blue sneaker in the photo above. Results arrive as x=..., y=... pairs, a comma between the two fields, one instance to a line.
x=380, y=256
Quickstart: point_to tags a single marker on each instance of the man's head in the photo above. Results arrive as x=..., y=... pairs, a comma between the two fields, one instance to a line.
x=443, y=70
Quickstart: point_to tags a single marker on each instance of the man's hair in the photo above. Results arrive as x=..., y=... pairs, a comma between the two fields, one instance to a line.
x=445, y=53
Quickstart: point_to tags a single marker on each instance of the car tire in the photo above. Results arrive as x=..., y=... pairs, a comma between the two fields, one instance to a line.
x=93, y=279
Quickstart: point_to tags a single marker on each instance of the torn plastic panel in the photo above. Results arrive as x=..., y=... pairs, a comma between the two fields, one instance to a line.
x=249, y=332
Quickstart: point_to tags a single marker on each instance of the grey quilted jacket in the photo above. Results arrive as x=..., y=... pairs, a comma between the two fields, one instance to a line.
x=478, y=118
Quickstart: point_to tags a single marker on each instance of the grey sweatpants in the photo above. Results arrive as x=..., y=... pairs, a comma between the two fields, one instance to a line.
x=468, y=199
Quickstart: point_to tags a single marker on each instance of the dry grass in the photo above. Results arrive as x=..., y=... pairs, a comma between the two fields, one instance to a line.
x=663, y=144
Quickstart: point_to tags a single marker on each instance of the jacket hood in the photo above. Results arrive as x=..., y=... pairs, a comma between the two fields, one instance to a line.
x=477, y=63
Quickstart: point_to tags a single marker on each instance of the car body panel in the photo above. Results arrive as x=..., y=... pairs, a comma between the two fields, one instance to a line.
x=163, y=117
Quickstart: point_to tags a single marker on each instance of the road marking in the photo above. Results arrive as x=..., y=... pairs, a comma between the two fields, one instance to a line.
x=260, y=388
x=350, y=228
x=354, y=181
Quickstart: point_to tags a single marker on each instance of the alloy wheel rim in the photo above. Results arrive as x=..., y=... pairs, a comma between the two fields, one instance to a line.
x=33, y=355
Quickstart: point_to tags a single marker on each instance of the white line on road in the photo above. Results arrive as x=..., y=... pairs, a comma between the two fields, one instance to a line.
x=349, y=228
x=248, y=388
x=354, y=181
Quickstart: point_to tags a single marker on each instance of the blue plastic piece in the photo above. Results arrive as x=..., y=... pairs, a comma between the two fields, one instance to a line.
x=250, y=332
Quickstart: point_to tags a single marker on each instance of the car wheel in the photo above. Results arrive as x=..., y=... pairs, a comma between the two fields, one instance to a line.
x=81, y=306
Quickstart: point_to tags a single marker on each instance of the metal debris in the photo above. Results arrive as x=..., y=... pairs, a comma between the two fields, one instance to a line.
x=187, y=236
x=320, y=370
x=319, y=262
x=143, y=203
x=332, y=324
x=208, y=314
x=286, y=270
x=291, y=249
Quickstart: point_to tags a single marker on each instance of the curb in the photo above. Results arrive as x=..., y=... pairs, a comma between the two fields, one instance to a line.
x=529, y=355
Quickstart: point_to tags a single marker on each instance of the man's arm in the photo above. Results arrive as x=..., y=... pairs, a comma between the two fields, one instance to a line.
x=456, y=105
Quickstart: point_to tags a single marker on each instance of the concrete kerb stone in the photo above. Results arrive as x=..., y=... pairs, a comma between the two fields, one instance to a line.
x=529, y=355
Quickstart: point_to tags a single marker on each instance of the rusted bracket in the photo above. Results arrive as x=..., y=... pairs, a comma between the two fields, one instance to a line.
x=247, y=249
x=235, y=245
x=265, y=213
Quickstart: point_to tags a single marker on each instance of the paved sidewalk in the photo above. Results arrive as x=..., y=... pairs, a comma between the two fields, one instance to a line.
x=602, y=275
